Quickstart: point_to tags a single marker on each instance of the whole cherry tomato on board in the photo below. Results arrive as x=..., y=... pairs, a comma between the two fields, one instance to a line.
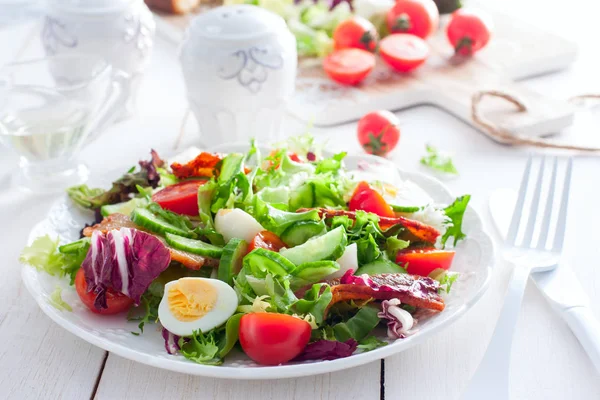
x=469, y=31
x=368, y=199
x=266, y=240
x=416, y=17
x=116, y=302
x=378, y=132
x=355, y=32
x=181, y=198
x=424, y=261
x=349, y=66
x=403, y=52
x=272, y=339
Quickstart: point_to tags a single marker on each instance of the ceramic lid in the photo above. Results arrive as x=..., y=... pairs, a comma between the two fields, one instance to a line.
x=235, y=22
x=90, y=6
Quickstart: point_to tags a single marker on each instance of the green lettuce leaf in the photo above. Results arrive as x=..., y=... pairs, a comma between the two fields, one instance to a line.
x=359, y=326
x=202, y=348
x=371, y=343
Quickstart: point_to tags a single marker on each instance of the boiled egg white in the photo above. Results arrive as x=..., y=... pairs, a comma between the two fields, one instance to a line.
x=236, y=223
x=348, y=260
x=191, y=304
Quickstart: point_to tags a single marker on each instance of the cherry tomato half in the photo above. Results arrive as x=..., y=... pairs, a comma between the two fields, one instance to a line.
x=266, y=240
x=273, y=339
x=469, y=31
x=416, y=17
x=368, y=199
x=116, y=302
x=181, y=198
x=378, y=132
x=424, y=261
x=403, y=52
x=349, y=66
x=355, y=32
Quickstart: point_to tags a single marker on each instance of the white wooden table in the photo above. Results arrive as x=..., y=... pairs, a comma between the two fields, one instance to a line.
x=38, y=359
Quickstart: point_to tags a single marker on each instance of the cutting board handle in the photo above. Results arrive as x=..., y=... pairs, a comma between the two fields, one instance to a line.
x=542, y=115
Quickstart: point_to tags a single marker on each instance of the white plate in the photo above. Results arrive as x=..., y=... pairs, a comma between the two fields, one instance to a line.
x=474, y=260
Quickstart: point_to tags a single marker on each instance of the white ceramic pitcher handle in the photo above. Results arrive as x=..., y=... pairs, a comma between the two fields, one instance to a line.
x=113, y=104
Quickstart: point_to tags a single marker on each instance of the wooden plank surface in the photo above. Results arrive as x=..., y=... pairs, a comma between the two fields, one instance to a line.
x=126, y=379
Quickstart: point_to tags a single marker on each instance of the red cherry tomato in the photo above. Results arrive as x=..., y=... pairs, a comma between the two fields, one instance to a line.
x=368, y=199
x=417, y=17
x=349, y=66
x=273, y=339
x=266, y=240
x=403, y=52
x=355, y=32
x=378, y=132
x=181, y=198
x=424, y=261
x=116, y=302
x=469, y=31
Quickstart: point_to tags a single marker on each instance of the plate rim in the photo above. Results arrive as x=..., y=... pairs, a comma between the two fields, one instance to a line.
x=280, y=371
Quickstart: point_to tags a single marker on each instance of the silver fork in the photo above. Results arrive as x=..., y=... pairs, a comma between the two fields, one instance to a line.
x=491, y=380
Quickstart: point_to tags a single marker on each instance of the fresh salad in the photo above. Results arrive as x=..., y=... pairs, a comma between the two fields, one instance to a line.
x=288, y=255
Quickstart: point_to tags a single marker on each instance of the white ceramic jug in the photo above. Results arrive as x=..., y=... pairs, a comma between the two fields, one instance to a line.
x=239, y=63
x=121, y=31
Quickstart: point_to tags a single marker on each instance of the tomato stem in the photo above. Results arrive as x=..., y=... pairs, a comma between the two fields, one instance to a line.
x=464, y=46
x=403, y=23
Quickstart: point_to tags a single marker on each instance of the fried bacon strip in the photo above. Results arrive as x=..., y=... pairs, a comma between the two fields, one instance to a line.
x=417, y=291
x=201, y=166
x=420, y=230
x=117, y=221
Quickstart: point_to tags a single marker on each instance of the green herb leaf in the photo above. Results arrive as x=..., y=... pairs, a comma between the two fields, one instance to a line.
x=456, y=213
x=315, y=301
x=438, y=161
x=447, y=280
x=232, y=335
x=147, y=311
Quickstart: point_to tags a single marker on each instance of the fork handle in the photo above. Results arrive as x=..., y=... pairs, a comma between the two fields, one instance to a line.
x=491, y=378
x=586, y=327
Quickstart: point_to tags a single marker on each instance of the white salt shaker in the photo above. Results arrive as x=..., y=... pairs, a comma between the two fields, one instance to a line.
x=120, y=31
x=239, y=63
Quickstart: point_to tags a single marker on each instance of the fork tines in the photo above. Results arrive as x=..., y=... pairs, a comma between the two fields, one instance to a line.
x=541, y=205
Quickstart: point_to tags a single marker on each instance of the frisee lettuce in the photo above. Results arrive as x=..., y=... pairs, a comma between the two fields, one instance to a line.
x=56, y=300
x=45, y=254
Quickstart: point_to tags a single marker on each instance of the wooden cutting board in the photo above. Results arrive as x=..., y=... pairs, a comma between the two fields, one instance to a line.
x=516, y=51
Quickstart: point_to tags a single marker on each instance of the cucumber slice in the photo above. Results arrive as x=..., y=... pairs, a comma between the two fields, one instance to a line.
x=260, y=262
x=231, y=260
x=301, y=231
x=329, y=246
x=126, y=207
x=380, y=267
x=302, y=197
x=405, y=209
x=74, y=247
x=153, y=223
x=316, y=271
x=194, y=246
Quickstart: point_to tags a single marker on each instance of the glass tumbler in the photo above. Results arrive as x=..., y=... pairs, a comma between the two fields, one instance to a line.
x=50, y=108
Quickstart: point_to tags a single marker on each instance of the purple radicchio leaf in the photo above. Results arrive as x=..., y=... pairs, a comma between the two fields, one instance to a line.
x=171, y=341
x=399, y=321
x=150, y=168
x=125, y=261
x=327, y=350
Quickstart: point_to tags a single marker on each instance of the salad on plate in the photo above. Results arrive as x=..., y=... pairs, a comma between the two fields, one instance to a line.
x=285, y=253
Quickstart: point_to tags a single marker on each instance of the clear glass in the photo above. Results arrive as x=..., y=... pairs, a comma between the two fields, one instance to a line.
x=49, y=109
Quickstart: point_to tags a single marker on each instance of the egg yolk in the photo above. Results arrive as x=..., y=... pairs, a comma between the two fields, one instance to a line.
x=191, y=299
